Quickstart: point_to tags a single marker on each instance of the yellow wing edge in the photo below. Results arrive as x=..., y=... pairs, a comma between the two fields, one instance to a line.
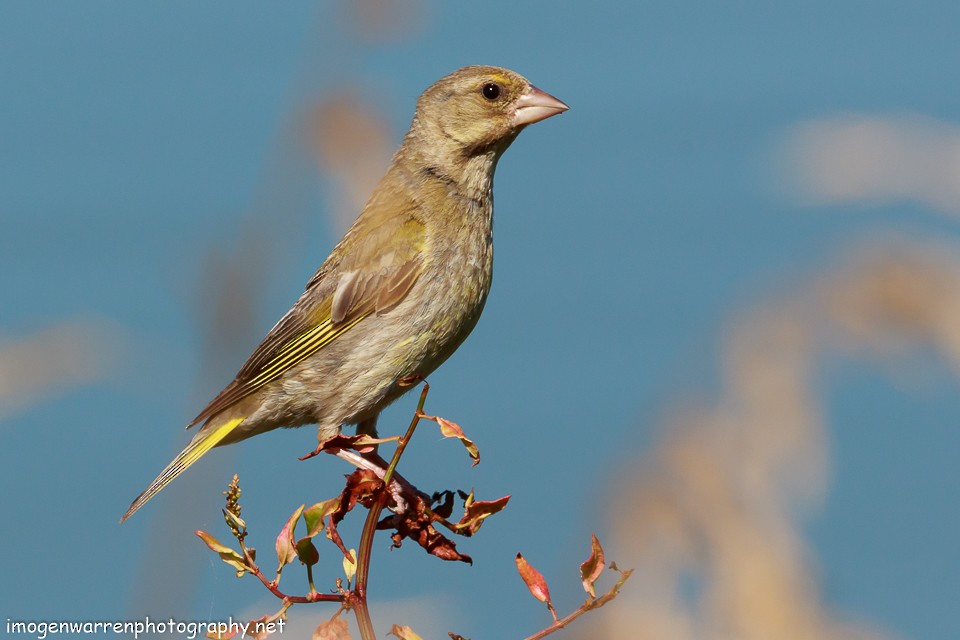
x=202, y=443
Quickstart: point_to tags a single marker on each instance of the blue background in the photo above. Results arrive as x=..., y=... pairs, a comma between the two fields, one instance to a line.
x=143, y=145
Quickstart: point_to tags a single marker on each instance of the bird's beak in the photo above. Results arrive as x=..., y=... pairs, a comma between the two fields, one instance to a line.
x=536, y=105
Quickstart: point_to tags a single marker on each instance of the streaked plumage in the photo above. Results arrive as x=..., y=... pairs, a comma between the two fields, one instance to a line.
x=401, y=290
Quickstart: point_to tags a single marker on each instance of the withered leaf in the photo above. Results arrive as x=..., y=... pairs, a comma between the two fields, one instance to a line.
x=592, y=567
x=452, y=430
x=404, y=633
x=476, y=511
x=334, y=629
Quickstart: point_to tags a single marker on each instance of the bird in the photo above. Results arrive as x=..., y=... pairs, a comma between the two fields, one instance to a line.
x=400, y=292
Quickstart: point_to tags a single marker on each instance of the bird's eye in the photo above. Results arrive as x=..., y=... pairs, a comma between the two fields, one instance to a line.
x=491, y=91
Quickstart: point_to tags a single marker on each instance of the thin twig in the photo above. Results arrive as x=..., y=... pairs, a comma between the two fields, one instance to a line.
x=314, y=596
x=589, y=605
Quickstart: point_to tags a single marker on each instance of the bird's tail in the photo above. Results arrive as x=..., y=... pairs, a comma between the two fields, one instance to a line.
x=205, y=440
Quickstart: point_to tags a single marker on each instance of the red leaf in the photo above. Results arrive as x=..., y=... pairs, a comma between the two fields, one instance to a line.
x=592, y=567
x=360, y=442
x=286, y=546
x=361, y=486
x=452, y=430
x=534, y=580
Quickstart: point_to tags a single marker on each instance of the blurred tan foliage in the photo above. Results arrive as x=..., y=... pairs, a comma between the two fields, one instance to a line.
x=858, y=157
x=352, y=143
x=52, y=360
x=381, y=21
x=709, y=519
x=333, y=629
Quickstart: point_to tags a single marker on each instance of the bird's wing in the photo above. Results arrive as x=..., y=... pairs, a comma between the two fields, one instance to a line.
x=352, y=284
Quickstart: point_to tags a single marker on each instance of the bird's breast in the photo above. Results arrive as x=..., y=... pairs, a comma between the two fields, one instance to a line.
x=455, y=284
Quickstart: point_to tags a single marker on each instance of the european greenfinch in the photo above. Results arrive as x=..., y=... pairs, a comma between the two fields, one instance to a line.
x=402, y=289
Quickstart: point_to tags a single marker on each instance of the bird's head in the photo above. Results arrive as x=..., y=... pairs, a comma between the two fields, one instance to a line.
x=478, y=110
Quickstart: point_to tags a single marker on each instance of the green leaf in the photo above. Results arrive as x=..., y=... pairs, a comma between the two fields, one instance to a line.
x=313, y=516
x=226, y=554
x=350, y=565
x=307, y=553
x=212, y=542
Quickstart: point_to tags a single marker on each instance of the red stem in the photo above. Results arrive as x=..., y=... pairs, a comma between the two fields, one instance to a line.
x=312, y=597
x=370, y=526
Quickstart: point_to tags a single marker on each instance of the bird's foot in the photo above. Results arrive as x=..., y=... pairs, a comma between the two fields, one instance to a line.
x=362, y=443
x=409, y=381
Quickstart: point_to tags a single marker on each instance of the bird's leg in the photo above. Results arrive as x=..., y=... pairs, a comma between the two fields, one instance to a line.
x=369, y=427
x=409, y=381
x=324, y=433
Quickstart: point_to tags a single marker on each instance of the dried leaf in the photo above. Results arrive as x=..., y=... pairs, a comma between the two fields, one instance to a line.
x=226, y=554
x=475, y=512
x=334, y=629
x=361, y=486
x=533, y=579
x=592, y=567
x=417, y=524
x=334, y=536
x=360, y=442
x=452, y=430
x=404, y=633
x=444, y=509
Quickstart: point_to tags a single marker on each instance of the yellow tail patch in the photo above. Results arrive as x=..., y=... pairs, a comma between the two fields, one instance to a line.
x=197, y=447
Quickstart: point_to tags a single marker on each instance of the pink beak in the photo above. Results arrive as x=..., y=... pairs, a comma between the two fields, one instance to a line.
x=536, y=105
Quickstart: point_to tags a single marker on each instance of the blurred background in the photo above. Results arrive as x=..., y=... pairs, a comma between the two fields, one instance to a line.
x=724, y=332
